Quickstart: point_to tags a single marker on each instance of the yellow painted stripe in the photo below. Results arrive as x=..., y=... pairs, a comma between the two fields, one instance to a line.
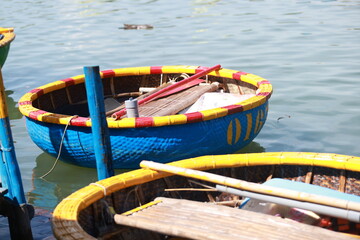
x=112, y=123
x=247, y=104
x=53, y=86
x=253, y=102
x=144, y=70
x=141, y=207
x=238, y=130
x=260, y=123
x=169, y=120
x=27, y=109
x=6, y=30
x=79, y=79
x=252, y=79
x=65, y=120
x=224, y=73
x=27, y=97
x=230, y=133
x=126, y=71
x=3, y=106
x=214, y=113
x=178, y=119
x=126, y=123
x=179, y=69
x=265, y=88
x=161, y=121
x=249, y=126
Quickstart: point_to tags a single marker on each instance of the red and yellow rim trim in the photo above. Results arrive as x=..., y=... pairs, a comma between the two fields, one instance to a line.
x=263, y=94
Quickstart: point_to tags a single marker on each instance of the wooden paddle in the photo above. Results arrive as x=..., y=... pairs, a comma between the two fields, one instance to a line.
x=178, y=86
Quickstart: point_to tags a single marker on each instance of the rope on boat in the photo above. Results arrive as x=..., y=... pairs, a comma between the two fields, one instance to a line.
x=60, y=147
x=101, y=186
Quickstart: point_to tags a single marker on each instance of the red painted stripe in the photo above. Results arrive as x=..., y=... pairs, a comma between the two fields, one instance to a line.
x=38, y=91
x=194, y=117
x=34, y=114
x=25, y=103
x=234, y=109
x=156, y=70
x=238, y=75
x=200, y=69
x=108, y=73
x=263, y=82
x=144, y=122
x=268, y=96
x=68, y=81
x=79, y=121
x=263, y=94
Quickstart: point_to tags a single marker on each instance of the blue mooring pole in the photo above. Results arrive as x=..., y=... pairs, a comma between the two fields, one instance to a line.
x=100, y=131
x=17, y=210
x=9, y=166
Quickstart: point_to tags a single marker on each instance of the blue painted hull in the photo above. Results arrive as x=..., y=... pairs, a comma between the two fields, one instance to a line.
x=164, y=144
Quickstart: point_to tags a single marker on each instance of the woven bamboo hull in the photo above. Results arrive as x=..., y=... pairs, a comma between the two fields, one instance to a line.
x=162, y=139
x=5, y=44
x=161, y=144
x=84, y=214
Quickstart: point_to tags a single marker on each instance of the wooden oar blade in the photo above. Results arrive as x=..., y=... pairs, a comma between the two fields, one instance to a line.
x=181, y=88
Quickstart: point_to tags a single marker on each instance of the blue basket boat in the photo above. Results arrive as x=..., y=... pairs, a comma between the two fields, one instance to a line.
x=173, y=127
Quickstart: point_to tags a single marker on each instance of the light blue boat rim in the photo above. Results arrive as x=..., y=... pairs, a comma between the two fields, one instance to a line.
x=307, y=188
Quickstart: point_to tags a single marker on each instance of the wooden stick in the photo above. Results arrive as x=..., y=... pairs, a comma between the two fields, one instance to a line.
x=253, y=187
x=191, y=189
x=119, y=114
x=122, y=106
x=200, y=184
x=232, y=203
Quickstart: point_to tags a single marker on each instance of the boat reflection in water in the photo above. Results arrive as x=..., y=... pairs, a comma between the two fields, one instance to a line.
x=66, y=178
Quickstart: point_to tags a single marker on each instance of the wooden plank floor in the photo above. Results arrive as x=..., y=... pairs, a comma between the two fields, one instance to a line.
x=174, y=103
x=197, y=220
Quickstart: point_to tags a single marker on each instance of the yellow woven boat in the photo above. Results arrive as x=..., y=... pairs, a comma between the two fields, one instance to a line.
x=7, y=35
x=159, y=204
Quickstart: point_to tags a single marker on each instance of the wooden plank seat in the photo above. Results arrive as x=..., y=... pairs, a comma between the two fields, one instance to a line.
x=199, y=220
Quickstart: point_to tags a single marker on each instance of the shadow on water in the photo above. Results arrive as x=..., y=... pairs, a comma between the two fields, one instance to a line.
x=253, y=147
x=13, y=111
x=61, y=182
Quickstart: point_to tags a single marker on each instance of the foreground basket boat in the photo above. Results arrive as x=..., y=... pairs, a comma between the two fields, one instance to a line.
x=168, y=137
x=154, y=204
x=7, y=35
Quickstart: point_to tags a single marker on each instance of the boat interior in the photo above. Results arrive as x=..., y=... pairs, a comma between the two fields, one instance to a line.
x=71, y=100
x=139, y=214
